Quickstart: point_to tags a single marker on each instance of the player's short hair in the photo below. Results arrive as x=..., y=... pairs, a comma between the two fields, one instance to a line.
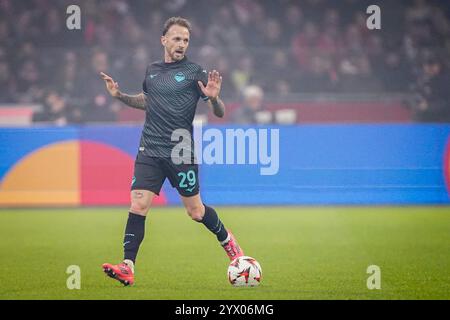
x=179, y=21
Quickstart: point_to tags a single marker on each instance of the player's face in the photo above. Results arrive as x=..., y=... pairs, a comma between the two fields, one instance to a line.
x=175, y=42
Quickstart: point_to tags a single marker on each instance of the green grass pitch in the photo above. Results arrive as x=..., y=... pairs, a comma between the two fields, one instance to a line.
x=305, y=253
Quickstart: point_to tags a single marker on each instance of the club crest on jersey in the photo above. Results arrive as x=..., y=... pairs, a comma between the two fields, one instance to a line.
x=180, y=76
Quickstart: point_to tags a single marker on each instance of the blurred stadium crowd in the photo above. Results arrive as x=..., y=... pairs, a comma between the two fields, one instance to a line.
x=284, y=47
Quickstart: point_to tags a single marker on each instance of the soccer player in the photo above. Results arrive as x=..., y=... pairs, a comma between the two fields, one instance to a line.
x=171, y=90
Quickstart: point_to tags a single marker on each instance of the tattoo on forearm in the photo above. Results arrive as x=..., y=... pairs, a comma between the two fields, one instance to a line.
x=137, y=101
x=218, y=107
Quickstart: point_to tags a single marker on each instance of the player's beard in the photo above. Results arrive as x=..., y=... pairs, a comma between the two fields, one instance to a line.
x=177, y=56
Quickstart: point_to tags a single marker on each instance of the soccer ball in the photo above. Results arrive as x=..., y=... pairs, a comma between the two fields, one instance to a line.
x=244, y=272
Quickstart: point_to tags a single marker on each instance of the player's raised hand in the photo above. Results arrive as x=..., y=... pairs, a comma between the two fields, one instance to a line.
x=212, y=88
x=111, y=85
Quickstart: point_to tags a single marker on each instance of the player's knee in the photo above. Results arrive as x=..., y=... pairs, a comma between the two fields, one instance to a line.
x=140, y=202
x=139, y=207
x=196, y=213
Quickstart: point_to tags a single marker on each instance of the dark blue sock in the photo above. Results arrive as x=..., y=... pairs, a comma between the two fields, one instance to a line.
x=212, y=222
x=134, y=234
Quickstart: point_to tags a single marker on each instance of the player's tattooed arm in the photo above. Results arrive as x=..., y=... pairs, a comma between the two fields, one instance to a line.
x=137, y=101
x=217, y=106
x=212, y=91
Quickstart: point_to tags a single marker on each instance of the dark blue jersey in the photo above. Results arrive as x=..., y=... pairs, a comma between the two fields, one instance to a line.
x=172, y=94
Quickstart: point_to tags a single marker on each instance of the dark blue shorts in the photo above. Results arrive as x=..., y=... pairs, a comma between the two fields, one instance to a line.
x=151, y=172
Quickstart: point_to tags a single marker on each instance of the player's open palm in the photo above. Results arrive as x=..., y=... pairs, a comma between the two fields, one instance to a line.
x=111, y=85
x=212, y=88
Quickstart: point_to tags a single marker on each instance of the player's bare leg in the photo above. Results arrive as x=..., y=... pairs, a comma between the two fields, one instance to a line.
x=141, y=201
x=200, y=212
